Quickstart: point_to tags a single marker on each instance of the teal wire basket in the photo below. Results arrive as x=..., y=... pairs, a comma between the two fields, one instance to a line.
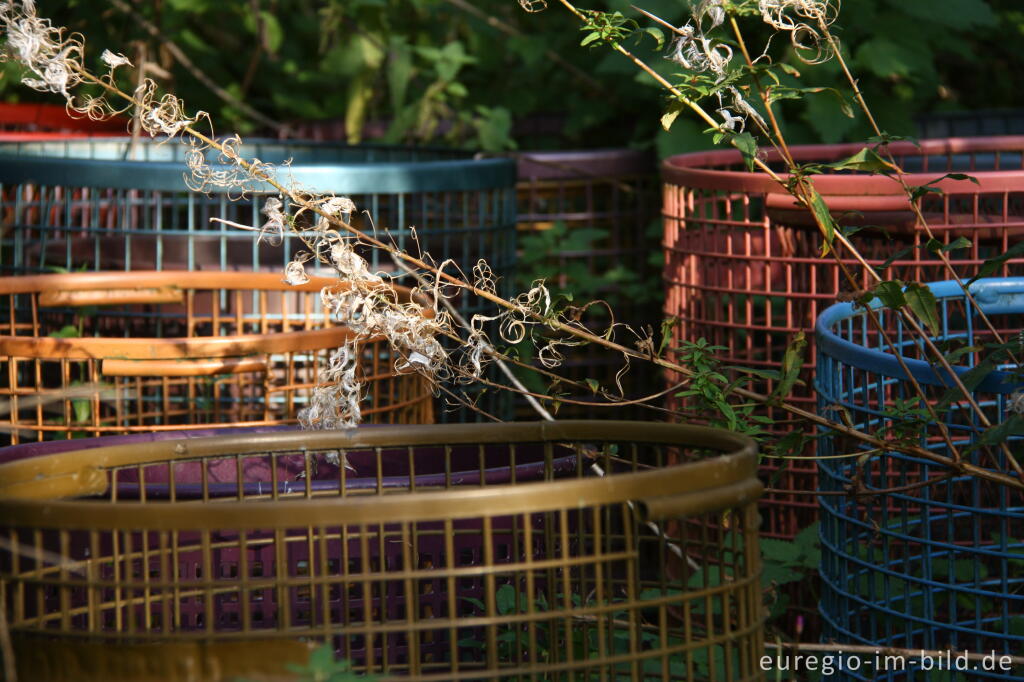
x=106, y=204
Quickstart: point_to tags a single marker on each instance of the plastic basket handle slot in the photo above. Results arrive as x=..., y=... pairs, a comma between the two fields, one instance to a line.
x=182, y=368
x=98, y=297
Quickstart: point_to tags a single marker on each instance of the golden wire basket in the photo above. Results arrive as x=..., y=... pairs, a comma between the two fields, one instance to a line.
x=93, y=354
x=568, y=550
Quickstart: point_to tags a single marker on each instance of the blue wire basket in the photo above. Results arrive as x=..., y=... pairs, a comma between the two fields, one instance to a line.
x=937, y=567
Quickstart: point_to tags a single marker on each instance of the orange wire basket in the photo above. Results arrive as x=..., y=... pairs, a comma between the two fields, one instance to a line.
x=744, y=270
x=93, y=354
x=455, y=552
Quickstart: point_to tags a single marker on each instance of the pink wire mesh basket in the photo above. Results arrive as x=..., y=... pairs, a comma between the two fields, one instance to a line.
x=744, y=270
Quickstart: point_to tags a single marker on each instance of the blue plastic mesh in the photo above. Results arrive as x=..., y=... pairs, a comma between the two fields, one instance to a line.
x=938, y=567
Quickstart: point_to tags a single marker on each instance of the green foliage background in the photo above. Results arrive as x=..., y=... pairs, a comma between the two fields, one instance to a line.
x=429, y=71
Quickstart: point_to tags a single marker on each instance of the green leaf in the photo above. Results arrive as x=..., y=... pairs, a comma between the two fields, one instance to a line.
x=505, y=599
x=322, y=657
x=992, y=265
x=866, y=159
x=399, y=70
x=747, y=145
x=830, y=122
x=887, y=58
x=935, y=246
x=808, y=547
x=670, y=116
x=66, y=332
x=593, y=384
x=956, y=14
x=83, y=410
x=894, y=257
x=655, y=33
x=475, y=602
x=970, y=379
x=924, y=304
x=770, y=374
x=792, y=363
x=272, y=31
x=890, y=293
x=589, y=38
x=824, y=217
x=1000, y=433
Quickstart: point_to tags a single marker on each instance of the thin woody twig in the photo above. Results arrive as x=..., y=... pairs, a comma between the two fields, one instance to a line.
x=196, y=72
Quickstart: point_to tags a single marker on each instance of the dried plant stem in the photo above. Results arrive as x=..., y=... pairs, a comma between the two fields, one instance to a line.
x=554, y=324
x=914, y=205
x=508, y=29
x=196, y=72
x=778, y=139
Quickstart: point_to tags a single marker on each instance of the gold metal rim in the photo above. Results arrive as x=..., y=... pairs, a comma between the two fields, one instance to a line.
x=719, y=482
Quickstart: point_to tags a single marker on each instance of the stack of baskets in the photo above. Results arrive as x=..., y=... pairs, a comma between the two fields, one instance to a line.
x=164, y=519
x=743, y=266
x=109, y=204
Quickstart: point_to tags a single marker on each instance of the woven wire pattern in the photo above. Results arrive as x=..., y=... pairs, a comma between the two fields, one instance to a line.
x=215, y=349
x=610, y=196
x=934, y=568
x=463, y=557
x=744, y=268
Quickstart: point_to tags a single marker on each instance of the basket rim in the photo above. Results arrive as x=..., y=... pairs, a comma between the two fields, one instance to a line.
x=690, y=169
x=31, y=487
x=145, y=348
x=994, y=295
x=471, y=173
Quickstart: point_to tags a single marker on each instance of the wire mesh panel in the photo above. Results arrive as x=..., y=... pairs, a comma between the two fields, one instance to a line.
x=440, y=553
x=743, y=267
x=585, y=220
x=976, y=123
x=935, y=567
x=109, y=205
x=88, y=354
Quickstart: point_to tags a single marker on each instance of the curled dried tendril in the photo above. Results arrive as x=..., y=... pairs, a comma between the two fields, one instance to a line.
x=533, y=5
x=295, y=271
x=54, y=60
x=272, y=231
x=364, y=301
x=804, y=20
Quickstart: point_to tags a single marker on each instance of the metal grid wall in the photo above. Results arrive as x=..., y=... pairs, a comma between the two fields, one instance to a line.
x=440, y=553
x=104, y=205
x=935, y=567
x=147, y=351
x=743, y=267
x=611, y=196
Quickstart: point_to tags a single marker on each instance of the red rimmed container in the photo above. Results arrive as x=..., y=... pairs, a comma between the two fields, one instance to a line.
x=743, y=267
